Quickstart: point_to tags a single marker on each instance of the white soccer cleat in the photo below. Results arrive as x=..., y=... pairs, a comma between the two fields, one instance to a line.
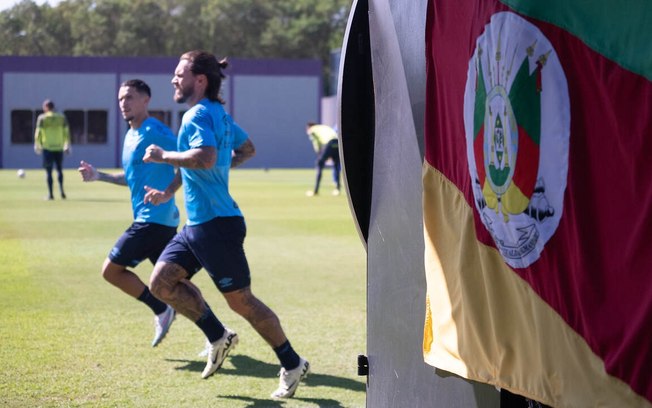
x=162, y=323
x=289, y=381
x=218, y=351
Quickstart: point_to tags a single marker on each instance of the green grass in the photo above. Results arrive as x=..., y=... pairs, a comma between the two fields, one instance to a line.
x=69, y=339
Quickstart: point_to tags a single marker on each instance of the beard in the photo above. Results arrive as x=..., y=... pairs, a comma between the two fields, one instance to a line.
x=181, y=95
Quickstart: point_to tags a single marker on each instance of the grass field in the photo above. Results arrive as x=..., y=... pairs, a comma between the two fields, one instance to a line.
x=69, y=339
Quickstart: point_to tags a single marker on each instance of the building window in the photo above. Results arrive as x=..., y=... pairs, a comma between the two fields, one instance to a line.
x=87, y=127
x=22, y=126
x=163, y=116
x=96, y=126
x=76, y=125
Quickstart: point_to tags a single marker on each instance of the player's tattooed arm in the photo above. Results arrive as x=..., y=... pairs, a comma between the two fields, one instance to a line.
x=157, y=197
x=175, y=184
x=242, y=153
x=199, y=158
x=118, y=178
x=90, y=173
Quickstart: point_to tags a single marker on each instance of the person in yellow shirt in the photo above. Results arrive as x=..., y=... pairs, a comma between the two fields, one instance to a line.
x=52, y=139
x=325, y=143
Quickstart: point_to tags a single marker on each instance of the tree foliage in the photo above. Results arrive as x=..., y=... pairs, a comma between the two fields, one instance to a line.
x=234, y=28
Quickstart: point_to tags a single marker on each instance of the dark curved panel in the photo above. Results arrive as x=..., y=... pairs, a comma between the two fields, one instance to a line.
x=357, y=115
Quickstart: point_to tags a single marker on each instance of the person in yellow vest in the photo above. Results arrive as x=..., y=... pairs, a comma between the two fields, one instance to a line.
x=52, y=139
x=325, y=142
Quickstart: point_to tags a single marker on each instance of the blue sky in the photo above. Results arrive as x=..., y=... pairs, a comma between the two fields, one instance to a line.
x=5, y=4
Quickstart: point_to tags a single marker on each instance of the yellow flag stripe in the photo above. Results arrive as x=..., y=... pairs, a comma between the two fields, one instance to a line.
x=485, y=323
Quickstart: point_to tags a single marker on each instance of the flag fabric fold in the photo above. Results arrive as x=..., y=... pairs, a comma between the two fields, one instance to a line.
x=537, y=198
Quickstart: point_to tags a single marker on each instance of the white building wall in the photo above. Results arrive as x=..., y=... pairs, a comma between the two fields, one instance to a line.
x=274, y=111
x=67, y=91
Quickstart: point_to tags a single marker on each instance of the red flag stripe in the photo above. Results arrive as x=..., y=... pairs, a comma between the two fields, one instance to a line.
x=594, y=270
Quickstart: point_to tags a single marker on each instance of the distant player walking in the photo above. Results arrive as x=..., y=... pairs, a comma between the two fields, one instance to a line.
x=153, y=226
x=52, y=138
x=209, y=144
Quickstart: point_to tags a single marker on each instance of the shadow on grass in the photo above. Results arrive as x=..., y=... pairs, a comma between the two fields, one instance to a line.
x=268, y=403
x=245, y=365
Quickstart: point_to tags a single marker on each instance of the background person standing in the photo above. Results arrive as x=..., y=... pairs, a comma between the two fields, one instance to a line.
x=52, y=138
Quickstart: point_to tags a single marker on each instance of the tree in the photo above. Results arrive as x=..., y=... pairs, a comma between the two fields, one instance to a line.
x=234, y=28
x=29, y=29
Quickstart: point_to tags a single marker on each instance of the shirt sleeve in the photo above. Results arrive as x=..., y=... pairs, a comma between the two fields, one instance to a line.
x=239, y=135
x=200, y=130
x=38, y=133
x=66, y=130
x=315, y=141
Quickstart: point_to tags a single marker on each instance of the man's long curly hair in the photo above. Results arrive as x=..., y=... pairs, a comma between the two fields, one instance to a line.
x=205, y=63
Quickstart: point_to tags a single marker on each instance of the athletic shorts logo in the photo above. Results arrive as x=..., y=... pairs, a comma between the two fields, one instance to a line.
x=225, y=283
x=517, y=121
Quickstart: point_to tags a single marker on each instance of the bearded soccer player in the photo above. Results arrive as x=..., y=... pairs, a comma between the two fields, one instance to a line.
x=209, y=144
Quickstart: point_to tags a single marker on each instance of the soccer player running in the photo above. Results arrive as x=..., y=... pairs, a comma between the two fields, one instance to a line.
x=209, y=144
x=153, y=226
x=52, y=139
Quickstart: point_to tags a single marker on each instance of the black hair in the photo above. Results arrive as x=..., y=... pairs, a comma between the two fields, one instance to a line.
x=139, y=85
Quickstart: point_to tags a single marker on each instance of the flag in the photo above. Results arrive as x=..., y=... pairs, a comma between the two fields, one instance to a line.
x=538, y=198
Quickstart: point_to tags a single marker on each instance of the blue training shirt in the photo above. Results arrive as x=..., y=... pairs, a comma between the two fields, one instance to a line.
x=206, y=191
x=139, y=174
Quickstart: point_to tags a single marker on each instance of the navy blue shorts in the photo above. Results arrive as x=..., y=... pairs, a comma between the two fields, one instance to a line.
x=142, y=240
x=217, y=246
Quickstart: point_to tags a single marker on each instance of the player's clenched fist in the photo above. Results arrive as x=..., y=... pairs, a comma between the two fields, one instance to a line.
x=153, y=154
x=87, y=171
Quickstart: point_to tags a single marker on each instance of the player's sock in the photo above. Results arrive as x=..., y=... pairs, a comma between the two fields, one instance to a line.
x=210, y=325
x=288, y=357
x=49, y=180
x=150, y=300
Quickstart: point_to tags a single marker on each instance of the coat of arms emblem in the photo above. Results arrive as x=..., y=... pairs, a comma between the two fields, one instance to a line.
x=517, y=121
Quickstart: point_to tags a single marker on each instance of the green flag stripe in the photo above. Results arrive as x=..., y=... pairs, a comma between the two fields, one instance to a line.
x=620, y=31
